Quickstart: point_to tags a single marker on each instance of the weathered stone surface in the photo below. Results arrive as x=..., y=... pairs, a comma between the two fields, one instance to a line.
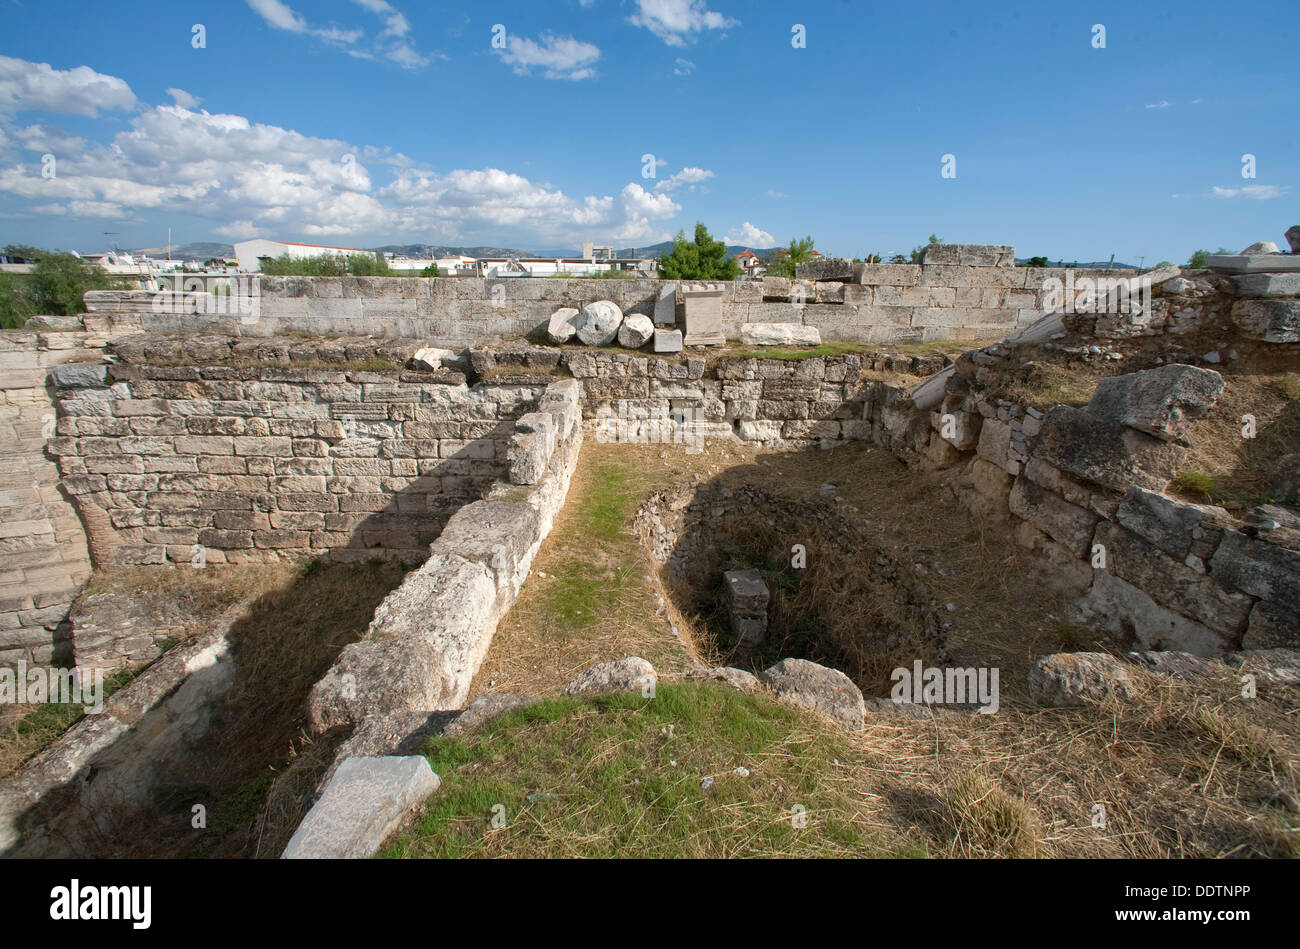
x=562, y=326
x=1273, y=321
x=1066, y=523
x=1258, y=568
x=366, y=800
x=598, y=323
x=635, y=331
x=1269, y=666
x=1161, y=520
x=1285, y=480
x=780, y=334
x=1267, y=285
x=1254, y=263
x=666, y=305
x=484, y=709
x=736, y=678
x=809, y=685
x=1180, y=665
x=1293, y=238
x=431, y=358
x=1261, y=247
x=82, y=375
x=969, y=255
x=1104, y=452
x=1121, y=608
x=1176, y=585
x=1072, y=678
x=632, y=674
x=824, y=268
x=1272, y=624
x=1163, y=402
x=375, y=677
x=668, y=341
x=747, y=598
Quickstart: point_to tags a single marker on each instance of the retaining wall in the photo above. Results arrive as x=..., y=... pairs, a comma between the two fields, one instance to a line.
x=882, y=303
x=234, y=458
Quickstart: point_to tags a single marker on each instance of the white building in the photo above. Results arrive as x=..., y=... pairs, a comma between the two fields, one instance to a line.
x=250, y=253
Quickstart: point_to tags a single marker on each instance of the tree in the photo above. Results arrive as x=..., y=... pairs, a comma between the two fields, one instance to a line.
x=1036, y=262
x=60, y=280
x=16, y=305
x=430, y=271
x=785, y=260
x=1201, y=258
x=705, y=259
x=916, y=251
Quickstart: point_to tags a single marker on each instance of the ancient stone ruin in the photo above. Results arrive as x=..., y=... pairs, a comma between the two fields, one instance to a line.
x=441, y=421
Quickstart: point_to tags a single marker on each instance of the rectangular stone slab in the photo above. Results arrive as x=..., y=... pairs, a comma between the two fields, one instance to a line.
x=365, y=801
x=1255, y=263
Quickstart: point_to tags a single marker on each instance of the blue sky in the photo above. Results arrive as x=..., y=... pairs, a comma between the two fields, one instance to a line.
x=359, y=122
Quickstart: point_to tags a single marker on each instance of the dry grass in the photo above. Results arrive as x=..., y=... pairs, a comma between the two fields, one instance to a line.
x=1237, y=468
x=180, y=602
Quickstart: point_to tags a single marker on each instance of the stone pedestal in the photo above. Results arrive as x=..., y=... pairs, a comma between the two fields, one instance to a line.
x=666, y=305
x=747, y=597
x=703, y=313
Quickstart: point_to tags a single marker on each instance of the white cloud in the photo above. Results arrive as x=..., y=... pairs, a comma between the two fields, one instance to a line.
x=683, y=67
x=773, y=193
x=1257, y=192
x=750, y=236
x=247, y=179
x=559, y=57
x=676, y=21
x=390, y=44
x=80, y=91
x=1162, y=104
x=688, y=176
x=184, y=99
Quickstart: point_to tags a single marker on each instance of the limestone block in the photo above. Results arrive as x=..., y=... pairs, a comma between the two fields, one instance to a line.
x=598, y=323
x=365, y=801
x=1074, y=678
x=633, y=674
x=780, y=334
x=1163, y=402
x=635, y=331
x=808, y=685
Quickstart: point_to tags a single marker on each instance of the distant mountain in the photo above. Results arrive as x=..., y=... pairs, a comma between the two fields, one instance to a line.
x=438, y=250
x=199, y=250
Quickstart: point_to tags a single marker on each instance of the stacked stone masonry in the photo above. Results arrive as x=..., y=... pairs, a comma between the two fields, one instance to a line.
x=236, y=462
x=43, y=555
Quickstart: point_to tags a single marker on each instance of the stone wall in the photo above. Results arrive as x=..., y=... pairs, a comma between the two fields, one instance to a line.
x=878, y=303
x=429, y=636
x=43, y=556
x=241, y=456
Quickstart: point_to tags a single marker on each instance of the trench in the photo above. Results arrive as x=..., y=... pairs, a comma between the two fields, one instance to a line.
x=835, y=597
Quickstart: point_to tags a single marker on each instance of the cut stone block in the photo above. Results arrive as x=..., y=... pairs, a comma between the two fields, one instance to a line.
x=666, y=305
x=1273, y=321
x=635, y=331
x=1267, y=285
x=747, y=597
x=1255, y=263
x=562, y=326
x=366, y=800
x=668, y=341
x=825, y=268
x=780, y=334
x=703, y=314
x=80, y=375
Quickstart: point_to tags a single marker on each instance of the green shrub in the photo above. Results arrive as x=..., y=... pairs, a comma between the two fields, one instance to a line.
x=329, y=265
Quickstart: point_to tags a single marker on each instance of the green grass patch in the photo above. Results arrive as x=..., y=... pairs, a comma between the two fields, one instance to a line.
x=628, y=775
x=1197, y=484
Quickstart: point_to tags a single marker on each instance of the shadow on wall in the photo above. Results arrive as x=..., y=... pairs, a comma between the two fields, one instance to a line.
x=230, y=737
